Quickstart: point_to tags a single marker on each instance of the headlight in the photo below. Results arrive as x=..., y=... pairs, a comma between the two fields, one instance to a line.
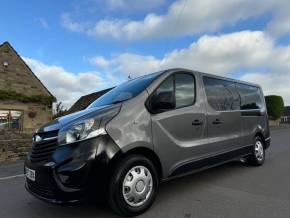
x=86, y=128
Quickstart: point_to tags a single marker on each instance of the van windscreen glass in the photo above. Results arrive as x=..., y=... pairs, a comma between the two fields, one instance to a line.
x=125, y=91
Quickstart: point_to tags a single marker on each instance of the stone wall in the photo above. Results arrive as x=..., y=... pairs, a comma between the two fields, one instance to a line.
x=274, y=122
x=14, y=145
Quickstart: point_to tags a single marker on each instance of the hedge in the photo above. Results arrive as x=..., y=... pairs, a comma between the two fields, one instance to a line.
x=275, y=106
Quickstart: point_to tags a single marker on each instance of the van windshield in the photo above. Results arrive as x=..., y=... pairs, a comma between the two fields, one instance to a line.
x=125, y=91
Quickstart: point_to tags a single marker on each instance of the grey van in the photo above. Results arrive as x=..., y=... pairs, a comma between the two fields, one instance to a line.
x=147, y=130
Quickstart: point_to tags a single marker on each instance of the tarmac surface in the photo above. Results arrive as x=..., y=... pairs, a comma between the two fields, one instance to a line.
x=230, y=190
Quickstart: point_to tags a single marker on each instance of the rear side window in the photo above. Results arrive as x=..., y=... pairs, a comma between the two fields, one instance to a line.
x=175, y=92
x=221, y=94
x=251, y=97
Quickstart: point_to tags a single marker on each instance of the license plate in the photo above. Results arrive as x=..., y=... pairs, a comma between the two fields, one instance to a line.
x=30, y=174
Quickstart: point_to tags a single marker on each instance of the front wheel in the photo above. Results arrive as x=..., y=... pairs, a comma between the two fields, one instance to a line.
x=133, y=186
x=257, y=157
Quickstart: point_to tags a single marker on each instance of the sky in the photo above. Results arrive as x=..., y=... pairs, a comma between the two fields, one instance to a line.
x=76, y=47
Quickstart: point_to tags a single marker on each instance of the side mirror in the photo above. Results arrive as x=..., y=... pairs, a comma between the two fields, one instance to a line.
x=162, y=102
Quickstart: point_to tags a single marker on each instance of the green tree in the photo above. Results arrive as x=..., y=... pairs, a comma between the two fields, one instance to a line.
x=275, y=106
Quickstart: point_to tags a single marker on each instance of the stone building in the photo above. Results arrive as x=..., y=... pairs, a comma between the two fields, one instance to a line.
x=25, y=103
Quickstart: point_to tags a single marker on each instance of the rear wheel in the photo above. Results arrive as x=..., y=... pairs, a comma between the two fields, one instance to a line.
x=257, y=157
x=133, y=186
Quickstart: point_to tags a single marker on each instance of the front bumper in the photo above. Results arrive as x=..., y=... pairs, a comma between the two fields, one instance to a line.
x=51, y=195
x=73, y=171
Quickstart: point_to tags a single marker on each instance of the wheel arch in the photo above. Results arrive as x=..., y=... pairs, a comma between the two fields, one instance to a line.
x=262, y=137
x=147, y=152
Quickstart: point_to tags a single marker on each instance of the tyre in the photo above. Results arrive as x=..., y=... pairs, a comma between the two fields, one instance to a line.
x=133, y=186
x=257, y=157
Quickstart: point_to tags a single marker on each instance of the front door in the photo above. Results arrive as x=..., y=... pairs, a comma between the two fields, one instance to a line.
x=178, y=120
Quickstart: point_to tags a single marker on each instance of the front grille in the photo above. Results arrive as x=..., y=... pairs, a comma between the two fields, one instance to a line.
x=42, y=151
x=40, y=189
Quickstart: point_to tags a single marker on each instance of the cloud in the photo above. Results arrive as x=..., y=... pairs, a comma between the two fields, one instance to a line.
x=133, y=5
x=245, y=51
x=254, y=54
x=128, y=64
x=188, y=17
x=184, y=17
x=276, y=79
x=42, y=22
x=100, y=61
x=272, y=83
x=67, y=22
x=215, y=54
x=279, y=25
x=67, y=86
x=84, y=9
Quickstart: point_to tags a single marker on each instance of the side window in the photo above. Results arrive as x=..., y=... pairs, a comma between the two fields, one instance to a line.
x=163, y=98
x=184, y=90
x=176, y=91
x=251, y=97
x=221, y=94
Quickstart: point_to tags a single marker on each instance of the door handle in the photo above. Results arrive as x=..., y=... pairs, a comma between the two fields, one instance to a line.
x=217, y=121
x=197, y=123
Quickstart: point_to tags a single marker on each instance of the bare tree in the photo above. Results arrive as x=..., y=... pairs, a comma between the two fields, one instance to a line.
x=60, y=110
